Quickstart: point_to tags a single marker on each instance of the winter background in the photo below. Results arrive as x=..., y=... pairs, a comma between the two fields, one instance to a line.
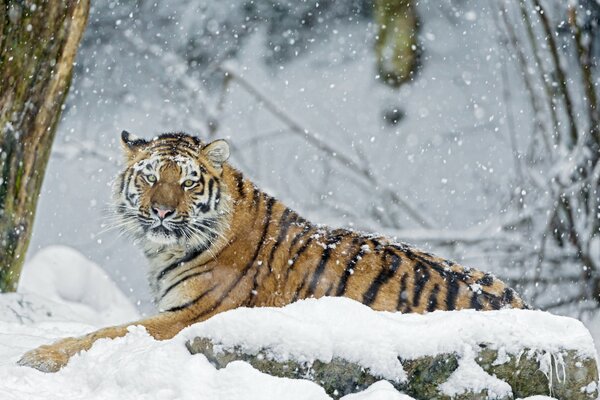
x=452, y=161
x=152, y=68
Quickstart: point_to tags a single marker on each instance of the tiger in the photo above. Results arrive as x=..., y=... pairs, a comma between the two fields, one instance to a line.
x=215, y=241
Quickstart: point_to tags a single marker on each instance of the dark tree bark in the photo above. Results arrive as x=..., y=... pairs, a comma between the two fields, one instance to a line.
x=38, y=43
x=396, y=46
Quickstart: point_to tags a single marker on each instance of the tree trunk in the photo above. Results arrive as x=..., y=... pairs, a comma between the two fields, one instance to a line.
x=396, y=46
x=38, y=43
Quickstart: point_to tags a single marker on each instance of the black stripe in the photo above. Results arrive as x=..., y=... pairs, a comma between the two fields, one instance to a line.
x=383, y=277
x=202, y=168
x=270, y=259
x=192, y=302
x=453, y=278
x=331, y=242
x=170, y=142
x=211, y=184
x=166, y=149
x=256, y=197
x=433, y=298
x=205, y=207
x=296, y=256
x=128, y=195
x=376, y=244
x=301, y=250
x=508, y=295
x=266, y=223
x=239, y=178
x=124, y=178
x=174, y=137
x=476, y=302
x=421, y=279
x=341, y=289
x=190, y=256
x=284, y=223
x=202, y=182
x=493, y=300
x=303, y=232
x=402, y=294
x=451, y=291
x=299, y=289
x=186, y=271
x=486, y=280
x=182, y=280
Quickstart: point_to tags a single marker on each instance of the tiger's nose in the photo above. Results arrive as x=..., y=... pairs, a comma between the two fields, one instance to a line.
x=162, y=212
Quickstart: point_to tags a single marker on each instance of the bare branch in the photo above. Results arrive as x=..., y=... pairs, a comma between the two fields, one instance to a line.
x=322, y=145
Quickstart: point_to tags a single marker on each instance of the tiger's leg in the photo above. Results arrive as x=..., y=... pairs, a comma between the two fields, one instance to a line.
x=52, y=357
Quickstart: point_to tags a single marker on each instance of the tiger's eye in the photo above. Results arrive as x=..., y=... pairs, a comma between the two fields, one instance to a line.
x=151, y=178
x=188, y=183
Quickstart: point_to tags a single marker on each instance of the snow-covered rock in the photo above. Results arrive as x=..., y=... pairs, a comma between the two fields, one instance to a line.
x=346, y=346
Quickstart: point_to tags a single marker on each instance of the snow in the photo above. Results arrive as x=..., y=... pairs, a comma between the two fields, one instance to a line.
x=138, y=366
x=470, y=377
x=63, y=275
x=538, y=398
x=80, y=298
x=382, y=390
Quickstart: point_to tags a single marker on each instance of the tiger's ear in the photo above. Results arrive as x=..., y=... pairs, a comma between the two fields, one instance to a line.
x=217, y=152
x=131, y=144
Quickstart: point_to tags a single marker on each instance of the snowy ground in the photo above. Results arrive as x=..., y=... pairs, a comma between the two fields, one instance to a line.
x=73, y=296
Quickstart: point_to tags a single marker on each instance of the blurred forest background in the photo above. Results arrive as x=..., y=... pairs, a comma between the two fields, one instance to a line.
x=482, y=145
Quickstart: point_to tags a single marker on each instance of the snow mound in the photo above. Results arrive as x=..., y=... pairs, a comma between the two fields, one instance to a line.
x=138, y=367
x=382, y=390
x=63, y=275
x=538, y=398
x=338, y=327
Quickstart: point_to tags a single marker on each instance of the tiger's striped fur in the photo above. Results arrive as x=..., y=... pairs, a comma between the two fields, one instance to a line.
x=228, y=244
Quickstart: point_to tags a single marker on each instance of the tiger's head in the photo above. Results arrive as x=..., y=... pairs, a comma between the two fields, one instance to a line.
x=171, y=192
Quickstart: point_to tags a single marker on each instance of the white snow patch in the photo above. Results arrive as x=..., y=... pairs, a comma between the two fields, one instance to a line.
x=138, y=367
x=590, y=388
x=382, y=390
x=63, y=275
x=471, y=378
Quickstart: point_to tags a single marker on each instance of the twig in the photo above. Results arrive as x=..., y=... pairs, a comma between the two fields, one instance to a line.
x=528, y=85
x=322, y=145
x=584, y=60
x=560, y=74
x=540, y=67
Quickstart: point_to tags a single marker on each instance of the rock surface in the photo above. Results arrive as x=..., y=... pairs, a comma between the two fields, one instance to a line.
x=565, y=376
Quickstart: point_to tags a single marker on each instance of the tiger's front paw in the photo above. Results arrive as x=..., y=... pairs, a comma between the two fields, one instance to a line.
x=51, y=358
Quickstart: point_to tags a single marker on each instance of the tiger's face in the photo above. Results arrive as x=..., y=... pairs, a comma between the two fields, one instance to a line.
x=171, y=192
